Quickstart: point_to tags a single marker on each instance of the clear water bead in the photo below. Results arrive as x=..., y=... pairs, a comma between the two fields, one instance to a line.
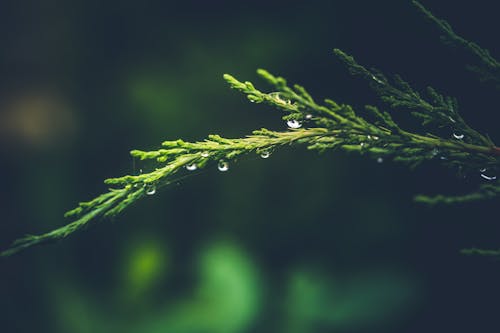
x=380, y=160
x=485, y=176
x=205, y=154
x=223, y=166
x=191, y=167
x=279, y=98
x=309, y=116
x=458, y=136
x=293, y=123
x=265, y=154
x=376, y=79
x=150, y=189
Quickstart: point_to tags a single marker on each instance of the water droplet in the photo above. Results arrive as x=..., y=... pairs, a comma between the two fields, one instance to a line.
x=380, y=160
x=434, y=152
x=376, y=79
x=191, y=167
x=458, y=136
x=375, y=137
x=484, y=176
x=150, y=189
x=278, y=98
x=205, y=154
x=452, y=120
x=362, y=144
x=309, y=116
x=293, y=123
x=265, y=154
x=223, y=166
x=443, y=158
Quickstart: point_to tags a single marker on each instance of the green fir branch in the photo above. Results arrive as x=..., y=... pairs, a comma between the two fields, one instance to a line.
x=485, y=191
x=481, y=252
x=486, y=67
x=436, y=109
x=322, y=126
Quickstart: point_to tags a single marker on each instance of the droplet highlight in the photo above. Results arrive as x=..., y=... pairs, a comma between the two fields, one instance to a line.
x=223, y=166
x=376, y=79
x=205, y=154
x=380, y=160
x=458, y=136
x=279, y=99
x=486, y=176
x=150, y=189
x=191, y=167
x=294, y=124
x=265, y=154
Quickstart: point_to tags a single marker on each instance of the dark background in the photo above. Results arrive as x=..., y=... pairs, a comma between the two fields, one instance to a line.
x=297, y=243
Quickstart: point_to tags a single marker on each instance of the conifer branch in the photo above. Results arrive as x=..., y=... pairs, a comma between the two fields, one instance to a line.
x=320, y=126
x=486, y=67
x=485, y=191
x=481, y=252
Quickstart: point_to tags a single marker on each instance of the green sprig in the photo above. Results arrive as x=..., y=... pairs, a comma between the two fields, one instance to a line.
x=322, y=126
x=485, y=66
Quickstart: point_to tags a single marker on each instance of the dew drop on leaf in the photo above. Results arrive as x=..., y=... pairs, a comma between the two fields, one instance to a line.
x=265, y=154
x=191, y=167
x=485, y=176
x=150, y=189
x=293, y=123
x=223, y=166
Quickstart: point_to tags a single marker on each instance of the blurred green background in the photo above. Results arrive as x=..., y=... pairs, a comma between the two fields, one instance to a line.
x=297, y=243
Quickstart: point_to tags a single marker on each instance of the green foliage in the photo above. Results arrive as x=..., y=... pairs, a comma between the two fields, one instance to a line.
x=328, y=125
x=484, y=65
